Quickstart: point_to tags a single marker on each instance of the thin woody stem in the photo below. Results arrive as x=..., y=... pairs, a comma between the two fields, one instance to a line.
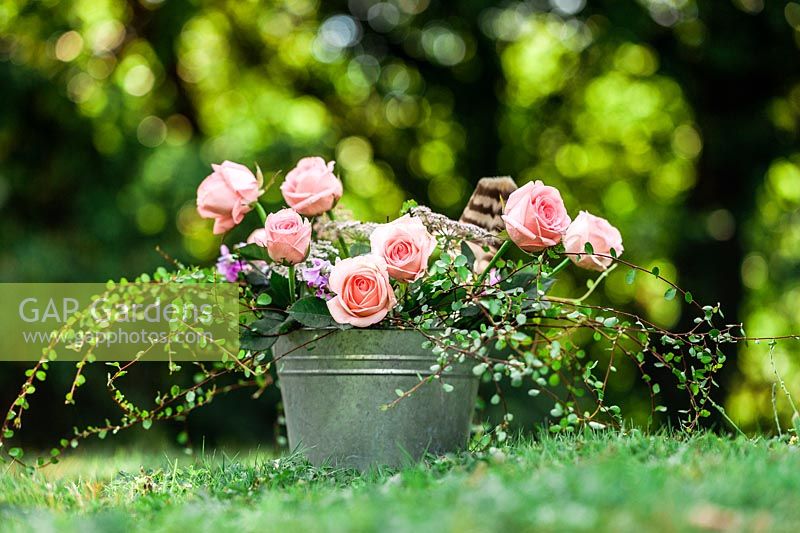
x=578, y=301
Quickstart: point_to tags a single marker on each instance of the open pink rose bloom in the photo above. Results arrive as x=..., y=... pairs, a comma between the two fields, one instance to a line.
x=364, y=295
x=226, y=194
x=600, y=234
x=406, y=245
x=286, y=235
x=311, y=188
x=535, y=216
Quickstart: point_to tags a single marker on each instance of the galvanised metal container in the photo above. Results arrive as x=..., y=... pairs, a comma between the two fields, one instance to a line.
x=334, y=384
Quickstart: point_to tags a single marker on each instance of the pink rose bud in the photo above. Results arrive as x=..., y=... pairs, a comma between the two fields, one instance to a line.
x=535, y=216
x=258, y=237
x=364, y=295
x=595, y=230
x=405, y=245
x=286, y=235
x=311, y=188
x=226, y=195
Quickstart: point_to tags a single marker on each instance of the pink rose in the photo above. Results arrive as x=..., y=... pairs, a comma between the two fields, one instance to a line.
x=258, y=237
x=226, y=195
x=286, y=235
x=535, y=216
x=364, y=294
x=597, y=231
x=311, y=188
x=405, y=245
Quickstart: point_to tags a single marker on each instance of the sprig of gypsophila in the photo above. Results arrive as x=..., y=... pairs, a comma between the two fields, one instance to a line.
x=444, y=226
x=439, y=225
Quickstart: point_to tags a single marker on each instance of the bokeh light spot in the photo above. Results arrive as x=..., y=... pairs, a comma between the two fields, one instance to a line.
x=750, y=6
x=650, y=294
x=436, y=157
x=307, y=118
x=686, y=142
x=447, y=191
x=353, y=153
x=100, y=67
x=784, y=178
x=567, y=7
x=106, y=35
x=139, y=80
x=792, y=14
x=413, y=7
x=672, y=179
x=179, y=130
x=721, y=225
x=150, y=218
x=301, y=7
x=340, y=31
x=755, y=271
x=443, y=45
x=383, y=17
x=619, y=198
x=69, y=46
x=402, y=111
x=636, y=59
x=80, y=87
x=572, y=160
x=107, y=138
x=151, y=131
x=691, y=32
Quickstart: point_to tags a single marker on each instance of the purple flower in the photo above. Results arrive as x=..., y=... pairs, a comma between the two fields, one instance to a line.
x=229, y=266
x=494, y=277
x=317, y=275
x=323, y=294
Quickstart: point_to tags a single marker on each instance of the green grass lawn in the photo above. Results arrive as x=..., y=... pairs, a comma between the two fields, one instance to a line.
x=605, y=482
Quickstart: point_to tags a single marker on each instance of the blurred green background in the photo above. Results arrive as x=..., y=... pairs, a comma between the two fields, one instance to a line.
x=675, y=119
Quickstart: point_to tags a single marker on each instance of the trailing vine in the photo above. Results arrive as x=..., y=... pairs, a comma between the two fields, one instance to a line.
x=419, y=272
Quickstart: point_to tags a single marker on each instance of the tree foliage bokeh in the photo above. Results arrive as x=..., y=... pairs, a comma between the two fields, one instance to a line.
x=676, y=119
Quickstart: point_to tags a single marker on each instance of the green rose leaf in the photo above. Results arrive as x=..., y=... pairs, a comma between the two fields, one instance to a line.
x=253, y=252
x=260, y=335
x=279, y=290
x=359, y=248
x=312, y=312
x=467, y=252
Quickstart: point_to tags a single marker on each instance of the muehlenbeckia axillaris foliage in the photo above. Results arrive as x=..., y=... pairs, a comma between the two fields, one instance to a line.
x=304, y=267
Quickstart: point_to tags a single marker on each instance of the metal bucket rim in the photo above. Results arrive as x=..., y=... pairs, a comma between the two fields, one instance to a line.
x=370, y=328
